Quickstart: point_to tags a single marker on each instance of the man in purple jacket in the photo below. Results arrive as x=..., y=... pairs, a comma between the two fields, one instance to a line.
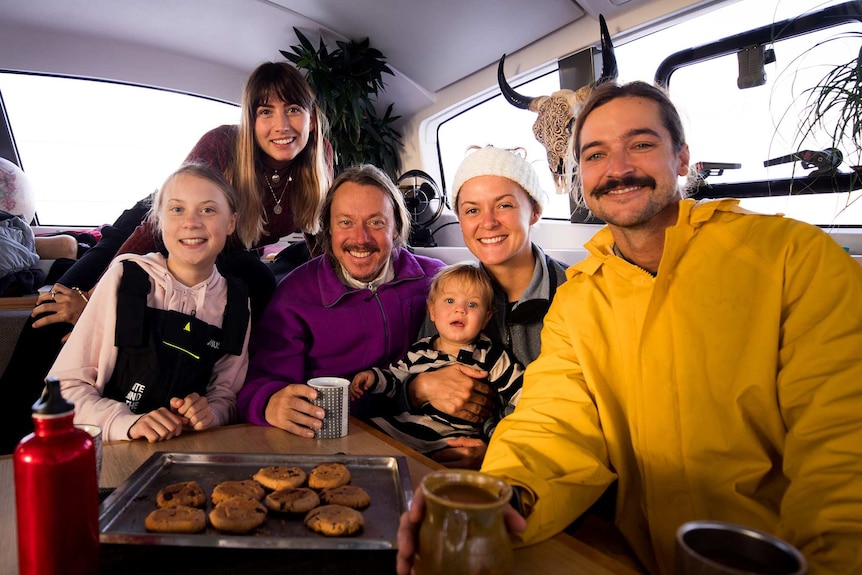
x=357, y=306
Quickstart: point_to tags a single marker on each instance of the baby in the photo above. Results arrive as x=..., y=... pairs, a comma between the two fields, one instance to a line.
x=459, y=305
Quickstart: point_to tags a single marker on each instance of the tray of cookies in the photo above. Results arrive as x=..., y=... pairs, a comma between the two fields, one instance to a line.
x=269, y=501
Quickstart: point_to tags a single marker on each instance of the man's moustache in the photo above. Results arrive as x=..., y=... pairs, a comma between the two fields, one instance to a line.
x=361, y=248
x=627, y=182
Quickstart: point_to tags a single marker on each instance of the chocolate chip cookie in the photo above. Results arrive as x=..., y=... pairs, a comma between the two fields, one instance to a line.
x=177, y=519
x=238, y=515
x=334, y=520
x=238, y=488
x=292, y=500
x=280, y=477
x=328, y=475
x=347, y=495
x=186, y=493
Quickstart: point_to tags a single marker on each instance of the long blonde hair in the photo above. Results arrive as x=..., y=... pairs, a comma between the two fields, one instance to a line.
x=309, y=170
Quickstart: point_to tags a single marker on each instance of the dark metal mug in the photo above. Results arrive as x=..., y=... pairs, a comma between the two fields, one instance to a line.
x=720, y=548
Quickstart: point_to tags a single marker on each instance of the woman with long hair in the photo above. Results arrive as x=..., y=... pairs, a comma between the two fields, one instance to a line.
x=279, y=162
x=277, y=158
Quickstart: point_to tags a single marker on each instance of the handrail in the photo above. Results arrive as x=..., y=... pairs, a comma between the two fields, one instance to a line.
x=800, y=185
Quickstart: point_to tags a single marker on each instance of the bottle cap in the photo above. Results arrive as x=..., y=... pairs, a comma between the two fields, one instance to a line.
x=52, y=402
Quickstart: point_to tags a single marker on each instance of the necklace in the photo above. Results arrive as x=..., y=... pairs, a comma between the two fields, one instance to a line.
x=277, y=209
x=275, y=177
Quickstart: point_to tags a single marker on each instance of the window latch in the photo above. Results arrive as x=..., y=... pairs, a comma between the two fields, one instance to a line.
x=825, y=161
x=706, y=169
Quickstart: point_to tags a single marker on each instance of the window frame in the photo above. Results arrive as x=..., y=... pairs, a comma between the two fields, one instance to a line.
x=803, y=184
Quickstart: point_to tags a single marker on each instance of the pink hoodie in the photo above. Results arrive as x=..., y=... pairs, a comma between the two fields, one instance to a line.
x=87, y=360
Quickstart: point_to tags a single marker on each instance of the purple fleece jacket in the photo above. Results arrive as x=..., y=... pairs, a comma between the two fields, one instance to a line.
x=315, y=326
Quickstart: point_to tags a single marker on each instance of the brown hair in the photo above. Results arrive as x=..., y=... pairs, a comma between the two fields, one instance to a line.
x=309, y=170
x=365, y=175
x=608, y=91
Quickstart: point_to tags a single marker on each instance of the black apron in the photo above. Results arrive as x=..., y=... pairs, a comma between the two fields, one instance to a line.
x=164, y=354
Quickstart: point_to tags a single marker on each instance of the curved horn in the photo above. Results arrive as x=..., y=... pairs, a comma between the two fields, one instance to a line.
x=609, y=59
x=509, y=93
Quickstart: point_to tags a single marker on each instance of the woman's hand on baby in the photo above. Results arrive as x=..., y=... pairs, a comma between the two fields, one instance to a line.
x=362, y=382
x=456, y=389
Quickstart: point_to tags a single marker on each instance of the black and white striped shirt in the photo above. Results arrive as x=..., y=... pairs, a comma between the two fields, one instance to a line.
x=427, y=429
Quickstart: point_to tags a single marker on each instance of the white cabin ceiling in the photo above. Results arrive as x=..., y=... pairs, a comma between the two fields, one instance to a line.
x=430, y=44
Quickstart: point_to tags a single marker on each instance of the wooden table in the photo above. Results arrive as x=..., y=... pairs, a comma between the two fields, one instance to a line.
x=26, y=302
x=563, y=554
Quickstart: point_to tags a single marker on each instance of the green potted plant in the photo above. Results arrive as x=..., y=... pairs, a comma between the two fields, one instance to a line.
x=835, y=108
x=347, y=81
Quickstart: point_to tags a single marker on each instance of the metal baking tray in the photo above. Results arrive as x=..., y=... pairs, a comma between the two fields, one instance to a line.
x=386, y=478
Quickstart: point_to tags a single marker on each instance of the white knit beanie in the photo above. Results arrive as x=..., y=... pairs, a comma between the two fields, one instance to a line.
x=491, y=161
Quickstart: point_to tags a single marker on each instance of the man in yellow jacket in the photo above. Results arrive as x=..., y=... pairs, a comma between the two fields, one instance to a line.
x=706, y=358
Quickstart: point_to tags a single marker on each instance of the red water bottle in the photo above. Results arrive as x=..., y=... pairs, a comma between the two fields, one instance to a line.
x=56, y=493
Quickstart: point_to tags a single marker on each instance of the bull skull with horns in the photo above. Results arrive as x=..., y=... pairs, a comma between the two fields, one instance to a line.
x=557, y=113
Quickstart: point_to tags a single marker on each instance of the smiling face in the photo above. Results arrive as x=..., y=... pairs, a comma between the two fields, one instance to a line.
x=495, y=215
x=195, y=220
x=459, y=312
x=362, y=228
x=281, y=131
x=628, y=165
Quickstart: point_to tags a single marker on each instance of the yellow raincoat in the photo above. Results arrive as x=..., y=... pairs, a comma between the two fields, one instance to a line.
x=729, y=387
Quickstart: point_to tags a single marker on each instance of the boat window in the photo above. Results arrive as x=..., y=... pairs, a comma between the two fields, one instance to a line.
x=759, y=143
x=725, y=125
x=91, y=149
x=496, y=122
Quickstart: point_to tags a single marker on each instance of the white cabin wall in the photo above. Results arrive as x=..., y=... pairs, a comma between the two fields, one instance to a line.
x=49, y=51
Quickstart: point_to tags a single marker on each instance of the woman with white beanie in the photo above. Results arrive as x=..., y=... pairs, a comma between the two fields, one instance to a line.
x=497, y=199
